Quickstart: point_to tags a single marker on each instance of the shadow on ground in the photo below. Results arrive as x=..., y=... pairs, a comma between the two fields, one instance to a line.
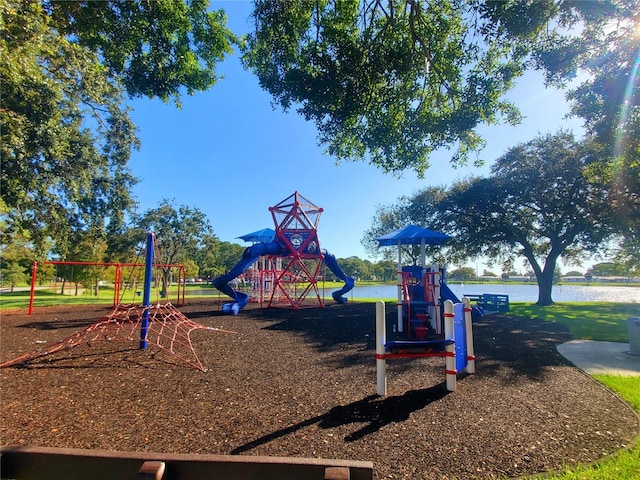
x=373, y=412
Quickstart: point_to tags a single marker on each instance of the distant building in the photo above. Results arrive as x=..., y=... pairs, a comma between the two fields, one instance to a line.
x=600, y=279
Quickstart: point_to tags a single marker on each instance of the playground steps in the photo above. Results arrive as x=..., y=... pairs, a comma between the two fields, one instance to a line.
x=27, y=463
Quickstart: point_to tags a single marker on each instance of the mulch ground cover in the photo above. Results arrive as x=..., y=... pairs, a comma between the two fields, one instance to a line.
x=302, y=383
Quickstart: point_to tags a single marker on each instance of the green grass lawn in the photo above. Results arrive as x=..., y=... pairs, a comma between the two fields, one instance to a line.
x=46, y=298
x=600, y=321
x=49, y=297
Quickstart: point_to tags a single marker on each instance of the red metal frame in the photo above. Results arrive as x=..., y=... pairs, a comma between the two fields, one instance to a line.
x=425, y=354
x=296, y=220
x=182, y=275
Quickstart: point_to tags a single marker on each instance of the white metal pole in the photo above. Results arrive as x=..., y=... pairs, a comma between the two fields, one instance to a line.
x=381, y=363
x=471, y=357
x=450, y=362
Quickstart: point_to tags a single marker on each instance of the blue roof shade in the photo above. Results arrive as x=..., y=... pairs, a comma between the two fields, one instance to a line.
x=412, y=235
x=264, y=235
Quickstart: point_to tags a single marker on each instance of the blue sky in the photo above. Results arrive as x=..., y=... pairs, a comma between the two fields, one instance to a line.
x=229, y=154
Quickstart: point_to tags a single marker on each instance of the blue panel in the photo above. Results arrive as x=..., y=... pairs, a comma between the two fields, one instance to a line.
x=460, y=337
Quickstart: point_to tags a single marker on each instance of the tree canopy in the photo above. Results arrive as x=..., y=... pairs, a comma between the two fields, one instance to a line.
x=392, y=81
x=67, y=70
x=154, y=48
x=181, y=231
x=387, y=81
x=66, y=136
x=606, y=50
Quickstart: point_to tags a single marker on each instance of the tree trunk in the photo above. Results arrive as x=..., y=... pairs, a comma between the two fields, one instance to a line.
x=544, y=276
x=545, y=284
x=545, y=279
x=165, y=282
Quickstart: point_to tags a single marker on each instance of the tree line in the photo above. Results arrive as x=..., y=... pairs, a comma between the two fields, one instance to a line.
x=184, y=236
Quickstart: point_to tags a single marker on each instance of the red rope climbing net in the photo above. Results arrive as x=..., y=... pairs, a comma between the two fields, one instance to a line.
x=168, y=330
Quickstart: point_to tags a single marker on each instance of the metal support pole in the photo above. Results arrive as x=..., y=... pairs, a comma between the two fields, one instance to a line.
x=471, y=356
x=34, y=272
x=400, y=280
x=146, y=299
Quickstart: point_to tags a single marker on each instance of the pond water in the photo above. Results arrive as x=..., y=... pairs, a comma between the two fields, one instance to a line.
x=520, y=293
x=517, y=293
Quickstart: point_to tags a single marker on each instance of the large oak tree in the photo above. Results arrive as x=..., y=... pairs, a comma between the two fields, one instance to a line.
x=541, y=203
x=181, y=232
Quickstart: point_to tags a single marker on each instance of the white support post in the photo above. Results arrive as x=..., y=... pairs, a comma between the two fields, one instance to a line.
x=471, y=357
x=381, y=339
x=450, y=362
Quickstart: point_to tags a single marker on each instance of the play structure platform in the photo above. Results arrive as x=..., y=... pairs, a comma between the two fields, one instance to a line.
x=455, y=345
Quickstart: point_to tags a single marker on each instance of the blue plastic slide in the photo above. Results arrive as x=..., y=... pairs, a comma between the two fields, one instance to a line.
x=249, y=257
x=447, y=294
x=349, y=282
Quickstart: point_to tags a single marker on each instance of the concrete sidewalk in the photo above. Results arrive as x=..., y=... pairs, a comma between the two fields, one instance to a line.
x=601, y=357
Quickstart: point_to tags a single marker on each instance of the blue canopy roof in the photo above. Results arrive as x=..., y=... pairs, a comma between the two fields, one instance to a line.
x=412, y=235
x=264, y=235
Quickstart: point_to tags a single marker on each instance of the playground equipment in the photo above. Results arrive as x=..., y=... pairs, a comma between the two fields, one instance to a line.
x=456, y=346
x=421, y=289
x=420, y=303
x=409, y=235
x=437, y=323
x=293, y=260
x=490, y=303
x=159, y=325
